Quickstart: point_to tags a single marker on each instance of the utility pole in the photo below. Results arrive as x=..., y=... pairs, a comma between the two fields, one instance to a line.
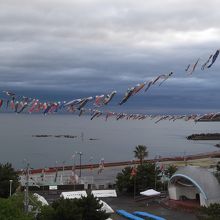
x=91, y=169
x=56, y=174
x=80, y=163
x=134, y=174
x=74, y=170
x=155, y=173
x=62, y=175
x=26, y=196
x=134, y=186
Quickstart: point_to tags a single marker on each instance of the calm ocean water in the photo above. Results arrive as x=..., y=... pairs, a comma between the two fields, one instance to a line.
x=115, y=139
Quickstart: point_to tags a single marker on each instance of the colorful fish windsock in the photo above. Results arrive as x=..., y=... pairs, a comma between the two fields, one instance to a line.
x=213, y=58
x=206, y=63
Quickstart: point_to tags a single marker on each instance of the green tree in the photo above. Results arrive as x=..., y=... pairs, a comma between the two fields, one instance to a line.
x=145, y=178
x=7, y=173
x=170, y=170
x=13, y=208
x=65, y=209
x=217, y=173
x=124, y=180
x=91, y=208
x=212, y=212
x=141, y=152
x=218, y=167
x=86, y=208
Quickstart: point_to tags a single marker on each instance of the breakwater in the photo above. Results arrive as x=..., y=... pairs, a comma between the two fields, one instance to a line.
x=203, y=136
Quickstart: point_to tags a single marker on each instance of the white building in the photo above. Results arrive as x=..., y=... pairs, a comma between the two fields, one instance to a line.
x=194, y=183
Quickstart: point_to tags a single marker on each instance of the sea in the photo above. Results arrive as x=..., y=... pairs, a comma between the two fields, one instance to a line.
x=95, y=139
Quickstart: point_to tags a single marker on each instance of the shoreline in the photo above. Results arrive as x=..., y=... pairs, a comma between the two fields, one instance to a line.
x=212, y=154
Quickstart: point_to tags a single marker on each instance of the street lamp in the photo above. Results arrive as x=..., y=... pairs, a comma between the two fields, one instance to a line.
x=134, y=173
x=10, y=182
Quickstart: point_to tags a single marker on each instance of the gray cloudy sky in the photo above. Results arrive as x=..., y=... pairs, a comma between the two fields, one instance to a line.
x=83, y=46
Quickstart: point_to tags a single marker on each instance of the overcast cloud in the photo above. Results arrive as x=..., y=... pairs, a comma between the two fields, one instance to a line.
x=100, y=45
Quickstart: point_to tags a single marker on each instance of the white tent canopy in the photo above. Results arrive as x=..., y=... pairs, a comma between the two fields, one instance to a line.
x=106, y=207
x=41, y=199
x=96, y=193
x=150, y=192
x=73, y=194
x=104, y=193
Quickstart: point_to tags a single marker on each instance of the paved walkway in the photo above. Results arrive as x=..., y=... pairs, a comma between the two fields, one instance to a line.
x=128, y=204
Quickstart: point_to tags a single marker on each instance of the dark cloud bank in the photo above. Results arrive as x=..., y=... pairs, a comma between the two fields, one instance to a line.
x=70, y=49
